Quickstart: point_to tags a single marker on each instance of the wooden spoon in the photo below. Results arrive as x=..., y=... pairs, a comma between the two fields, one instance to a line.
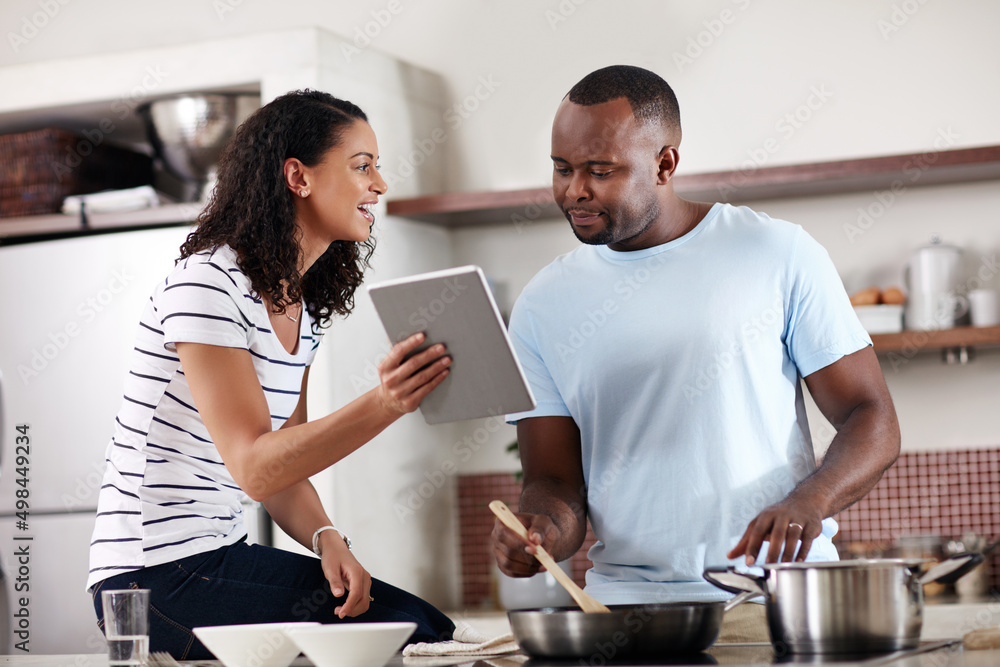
x=585, y=600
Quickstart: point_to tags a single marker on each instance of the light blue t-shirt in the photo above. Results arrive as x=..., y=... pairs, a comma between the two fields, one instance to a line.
x=681, y=365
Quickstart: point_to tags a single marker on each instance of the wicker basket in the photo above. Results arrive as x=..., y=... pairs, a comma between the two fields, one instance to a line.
x=39, y=169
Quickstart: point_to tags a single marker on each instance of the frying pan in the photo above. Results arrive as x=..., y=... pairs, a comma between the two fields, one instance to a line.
x=628, y=631
x=622, y=631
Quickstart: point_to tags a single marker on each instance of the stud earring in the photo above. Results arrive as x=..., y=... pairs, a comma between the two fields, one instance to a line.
x=303, y=193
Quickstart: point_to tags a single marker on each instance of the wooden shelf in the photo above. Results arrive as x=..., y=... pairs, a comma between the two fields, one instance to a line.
x=899, y=172
x=38, y=227
x=911, y=342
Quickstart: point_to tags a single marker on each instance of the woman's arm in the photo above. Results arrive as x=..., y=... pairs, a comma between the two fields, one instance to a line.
x=263, y=462
x=299, y=512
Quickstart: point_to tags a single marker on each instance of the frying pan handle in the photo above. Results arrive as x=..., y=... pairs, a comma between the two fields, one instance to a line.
x=951, y=569
x=728, y=579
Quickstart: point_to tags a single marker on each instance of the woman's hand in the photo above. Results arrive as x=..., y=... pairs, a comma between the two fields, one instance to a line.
x=345, y=573
x=406, y=381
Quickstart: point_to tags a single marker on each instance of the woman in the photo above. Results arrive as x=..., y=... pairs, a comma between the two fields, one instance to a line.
x=215, y=401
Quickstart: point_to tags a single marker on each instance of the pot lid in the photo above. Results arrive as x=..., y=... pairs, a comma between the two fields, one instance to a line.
x=936, y=244
x=847, y=564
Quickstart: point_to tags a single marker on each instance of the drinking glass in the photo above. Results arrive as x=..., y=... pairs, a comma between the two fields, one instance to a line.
x=126, y=626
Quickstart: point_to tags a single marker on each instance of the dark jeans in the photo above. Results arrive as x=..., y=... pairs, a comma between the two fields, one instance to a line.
x=255, y=584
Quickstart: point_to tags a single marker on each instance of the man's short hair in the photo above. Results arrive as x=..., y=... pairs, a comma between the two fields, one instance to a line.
x=651, y=98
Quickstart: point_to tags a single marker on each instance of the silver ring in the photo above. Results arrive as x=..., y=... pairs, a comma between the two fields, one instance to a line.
x=796, y=525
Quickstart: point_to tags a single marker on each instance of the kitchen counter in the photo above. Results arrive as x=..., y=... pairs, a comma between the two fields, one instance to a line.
x=948, y=620
x=720, y=655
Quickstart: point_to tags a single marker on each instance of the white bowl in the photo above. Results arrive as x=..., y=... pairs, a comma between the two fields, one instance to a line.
x=351, y=644
x=881, y=319
x=252, y=644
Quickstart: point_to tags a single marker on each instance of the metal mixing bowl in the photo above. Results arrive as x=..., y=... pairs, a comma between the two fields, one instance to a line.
x=188, y=132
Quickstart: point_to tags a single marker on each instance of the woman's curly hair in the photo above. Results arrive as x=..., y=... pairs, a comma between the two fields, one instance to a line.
x=252, y=209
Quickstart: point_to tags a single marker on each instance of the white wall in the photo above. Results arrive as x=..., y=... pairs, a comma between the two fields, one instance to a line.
x=892, y=85
x=883, y=77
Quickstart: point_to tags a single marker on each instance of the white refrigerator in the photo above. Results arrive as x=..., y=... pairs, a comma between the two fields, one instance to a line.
x=68, y=315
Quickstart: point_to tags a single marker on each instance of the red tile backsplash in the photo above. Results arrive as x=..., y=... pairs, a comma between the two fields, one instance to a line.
x=931, y=493
x=925, y=493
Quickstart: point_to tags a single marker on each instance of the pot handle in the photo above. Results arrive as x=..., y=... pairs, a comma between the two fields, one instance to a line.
x=739, y=599
x=728, y=579
x=951, y=569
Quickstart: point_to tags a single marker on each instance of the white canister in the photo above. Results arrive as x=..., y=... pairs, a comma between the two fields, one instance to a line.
x=927, y=312
x=984, y=307
x=934, y=268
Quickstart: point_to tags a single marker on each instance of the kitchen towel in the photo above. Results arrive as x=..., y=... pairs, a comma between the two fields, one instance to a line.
x=467, y=642
x=108, y=201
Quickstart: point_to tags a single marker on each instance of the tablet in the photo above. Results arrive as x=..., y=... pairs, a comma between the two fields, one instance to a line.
x=456, y=307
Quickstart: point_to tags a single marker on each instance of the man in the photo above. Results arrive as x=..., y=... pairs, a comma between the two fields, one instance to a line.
x=666, y=355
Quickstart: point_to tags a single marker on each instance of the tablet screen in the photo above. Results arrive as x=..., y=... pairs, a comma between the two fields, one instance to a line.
x=456, y=307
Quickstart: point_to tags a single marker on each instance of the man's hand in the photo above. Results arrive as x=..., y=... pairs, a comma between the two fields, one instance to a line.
x=555, y=515
x=852, y=395
x=515, y=557
x=789, y=527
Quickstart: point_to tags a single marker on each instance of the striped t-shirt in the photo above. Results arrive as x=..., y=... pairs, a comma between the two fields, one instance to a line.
x=166, y=493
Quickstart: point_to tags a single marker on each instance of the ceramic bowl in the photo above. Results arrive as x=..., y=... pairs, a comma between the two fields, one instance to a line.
x=881, y=319
x=251, y=645
x=351, y=644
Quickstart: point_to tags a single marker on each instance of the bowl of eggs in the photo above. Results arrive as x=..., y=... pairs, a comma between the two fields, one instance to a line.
x=880, y=310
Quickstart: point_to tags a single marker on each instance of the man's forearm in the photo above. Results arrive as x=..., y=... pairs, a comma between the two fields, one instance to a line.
x=865, y=446
x=567, y=507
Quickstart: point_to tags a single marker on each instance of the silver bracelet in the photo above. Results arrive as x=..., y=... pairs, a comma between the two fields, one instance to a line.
x=317, y=550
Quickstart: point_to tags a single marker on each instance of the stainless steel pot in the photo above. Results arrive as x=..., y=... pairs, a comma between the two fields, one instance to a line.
x=629, y=631
x=853, y=606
